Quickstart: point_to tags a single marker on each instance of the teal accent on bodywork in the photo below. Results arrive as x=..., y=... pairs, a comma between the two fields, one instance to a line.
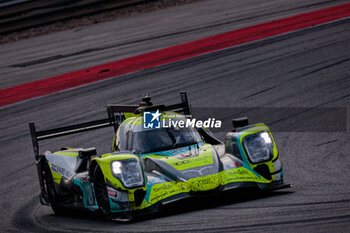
x=281, y=174
x=114, y=206
x=148, y=192
x=87, y=195
x=244, y=157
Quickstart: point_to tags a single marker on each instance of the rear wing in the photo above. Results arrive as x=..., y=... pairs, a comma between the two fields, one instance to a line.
x=116, y=114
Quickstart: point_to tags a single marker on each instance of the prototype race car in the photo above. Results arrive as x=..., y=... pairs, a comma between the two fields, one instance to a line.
x=151, y=164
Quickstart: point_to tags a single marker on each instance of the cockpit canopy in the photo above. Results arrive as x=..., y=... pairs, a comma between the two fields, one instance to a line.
x=133, y=136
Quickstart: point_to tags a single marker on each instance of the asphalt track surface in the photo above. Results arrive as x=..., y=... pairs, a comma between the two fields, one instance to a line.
x=307, y=68
x=171, y=54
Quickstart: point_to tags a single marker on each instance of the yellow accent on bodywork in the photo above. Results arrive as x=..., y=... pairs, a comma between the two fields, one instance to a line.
x=241, y=174
x=127, y=121
x=67, y=153
x=204, y=158
x=56, y=177
x=205, y=183
x=164, y=190
x=113, y=143
x=129, y=114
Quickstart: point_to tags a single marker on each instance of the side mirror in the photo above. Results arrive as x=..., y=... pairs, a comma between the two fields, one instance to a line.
x=240, y=122
x=87, y=153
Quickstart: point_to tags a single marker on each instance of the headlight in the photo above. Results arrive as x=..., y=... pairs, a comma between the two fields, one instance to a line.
x=128, y=172
x=259, y=146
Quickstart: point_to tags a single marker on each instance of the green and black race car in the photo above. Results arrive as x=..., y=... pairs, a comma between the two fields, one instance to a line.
x=153, y=165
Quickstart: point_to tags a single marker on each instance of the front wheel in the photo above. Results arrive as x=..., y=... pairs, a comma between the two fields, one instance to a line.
x=49, y=187
x=101, y=192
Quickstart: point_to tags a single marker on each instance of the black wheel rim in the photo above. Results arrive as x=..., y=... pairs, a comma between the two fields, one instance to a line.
x=49, y=184
x=101, y=191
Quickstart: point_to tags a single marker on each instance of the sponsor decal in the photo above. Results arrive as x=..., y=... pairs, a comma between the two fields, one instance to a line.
x=205, y=181
x=163, y=191
x=112, y=192
x=61, y=171
x=204, y=159
x=240, y=174
x=117, y=195
x=181, y=162
x=162, y=188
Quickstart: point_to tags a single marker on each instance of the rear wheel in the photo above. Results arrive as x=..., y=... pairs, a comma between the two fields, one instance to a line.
x=101, y=192
x=49, y=187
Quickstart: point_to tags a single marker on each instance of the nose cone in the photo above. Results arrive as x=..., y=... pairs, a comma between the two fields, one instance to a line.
x=198, y=167
x=203, y=175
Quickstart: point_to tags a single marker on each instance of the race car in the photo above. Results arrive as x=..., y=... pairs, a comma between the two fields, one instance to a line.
x=152, y=164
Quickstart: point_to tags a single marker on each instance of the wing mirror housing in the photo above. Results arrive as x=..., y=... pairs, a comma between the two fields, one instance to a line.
x=240, y=122
x=87, y=153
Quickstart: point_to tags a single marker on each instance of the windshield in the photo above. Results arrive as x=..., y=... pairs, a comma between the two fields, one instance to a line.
x=164, y=139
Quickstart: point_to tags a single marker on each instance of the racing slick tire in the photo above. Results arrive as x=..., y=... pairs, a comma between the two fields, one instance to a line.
x=51, y=191
x=101, y=192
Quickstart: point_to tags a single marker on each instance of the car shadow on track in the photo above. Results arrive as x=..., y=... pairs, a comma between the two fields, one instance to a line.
x=227, y=198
